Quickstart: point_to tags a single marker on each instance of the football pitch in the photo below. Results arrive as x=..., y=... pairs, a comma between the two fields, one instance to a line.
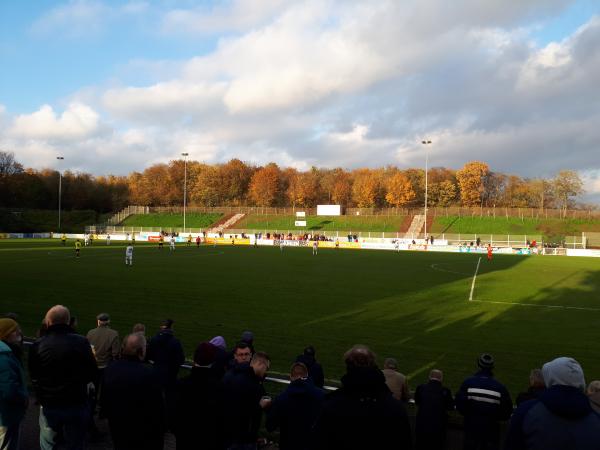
x=426, y=309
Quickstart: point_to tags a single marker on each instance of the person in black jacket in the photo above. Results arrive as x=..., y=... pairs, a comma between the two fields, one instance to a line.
x=434, y=401
x=295, y=411
x=245, y=399
x=536, y=387
x=315, y=370
x=362, y=414
x=61, y=365
x=132, y=399
x=165, y=352
x=484, y=402
x=200, y=404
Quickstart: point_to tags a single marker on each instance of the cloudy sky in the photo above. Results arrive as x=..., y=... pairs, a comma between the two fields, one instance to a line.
x=115, y=86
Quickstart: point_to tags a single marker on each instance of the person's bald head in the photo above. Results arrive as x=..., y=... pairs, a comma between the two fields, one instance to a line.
x=437, y=375
x=58, y=315
x=134, y=346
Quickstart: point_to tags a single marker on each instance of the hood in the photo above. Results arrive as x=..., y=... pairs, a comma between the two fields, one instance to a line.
x=563, y=371
x=368, y=381
x=566, y=401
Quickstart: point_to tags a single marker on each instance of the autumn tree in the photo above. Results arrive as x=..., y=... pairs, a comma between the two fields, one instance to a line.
x=207, y=187
x=442, y=193
x=417, y=181
x=399, y=190
x=542, y=194
x=567, y=185
x=264, y=188
x=235, y=178
x=442, y=189
x=366, y=189
x=471, y=182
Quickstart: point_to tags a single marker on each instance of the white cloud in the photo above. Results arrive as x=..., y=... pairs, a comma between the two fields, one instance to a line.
x=76, y=122
x=174, y=99
x=76, y=18
x=237, y=15
x=345, y=83
x=81, y=18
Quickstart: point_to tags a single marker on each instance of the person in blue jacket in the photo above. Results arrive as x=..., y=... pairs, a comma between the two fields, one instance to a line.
x=13, y=389
x=561, y=417
x=484, y=402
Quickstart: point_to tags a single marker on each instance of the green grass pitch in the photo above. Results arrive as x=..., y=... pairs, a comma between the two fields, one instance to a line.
x=410, y=305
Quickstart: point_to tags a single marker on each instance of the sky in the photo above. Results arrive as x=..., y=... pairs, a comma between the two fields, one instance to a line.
x=116, y=86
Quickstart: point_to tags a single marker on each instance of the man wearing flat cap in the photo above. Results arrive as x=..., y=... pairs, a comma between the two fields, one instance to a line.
x=105, y=343
x=104, y=340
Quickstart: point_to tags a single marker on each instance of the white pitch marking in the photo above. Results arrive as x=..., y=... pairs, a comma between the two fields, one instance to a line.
x=474, y=278
x=581, y=308
x=439, y=269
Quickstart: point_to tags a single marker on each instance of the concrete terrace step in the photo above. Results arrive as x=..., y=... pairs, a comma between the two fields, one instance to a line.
x=416, y=226
x=227, y=224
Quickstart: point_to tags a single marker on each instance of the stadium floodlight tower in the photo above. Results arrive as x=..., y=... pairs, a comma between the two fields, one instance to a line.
x=59, y=158
x=185, y=155
x=426, y=143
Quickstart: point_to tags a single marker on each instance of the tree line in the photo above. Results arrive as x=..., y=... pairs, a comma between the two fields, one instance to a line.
x=237, y=183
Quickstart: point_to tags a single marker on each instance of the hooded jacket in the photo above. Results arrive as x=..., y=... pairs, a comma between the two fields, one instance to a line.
x=13, y=390
x=362, y=414
x=561, y=418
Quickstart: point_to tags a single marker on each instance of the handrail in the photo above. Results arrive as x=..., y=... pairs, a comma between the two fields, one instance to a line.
x=188, y=366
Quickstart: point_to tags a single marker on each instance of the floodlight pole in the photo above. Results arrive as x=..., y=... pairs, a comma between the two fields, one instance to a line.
x=426, y=143
x=185, y=155
x=60, y=158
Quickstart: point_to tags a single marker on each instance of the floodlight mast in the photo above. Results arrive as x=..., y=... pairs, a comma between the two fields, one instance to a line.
x=426, y=143
x=59, y=158
x=185, y=155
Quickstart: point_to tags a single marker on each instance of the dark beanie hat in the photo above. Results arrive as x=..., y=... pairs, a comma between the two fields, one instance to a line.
x=205, y=354
x=248, y=337
x=486, y=361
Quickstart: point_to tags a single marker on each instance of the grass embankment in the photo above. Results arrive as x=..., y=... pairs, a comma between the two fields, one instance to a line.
x=409, y=305
x=501, y=225
x=41, y=220
x=166, y=220
x=321, y=223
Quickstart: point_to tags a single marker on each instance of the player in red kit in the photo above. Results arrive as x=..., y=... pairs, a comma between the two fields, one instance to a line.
x=489, y=252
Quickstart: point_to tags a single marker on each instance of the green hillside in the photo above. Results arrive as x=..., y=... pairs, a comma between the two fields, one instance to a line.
x=166, y=220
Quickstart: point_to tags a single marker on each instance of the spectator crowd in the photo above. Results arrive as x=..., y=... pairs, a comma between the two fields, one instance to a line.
x=135, y=384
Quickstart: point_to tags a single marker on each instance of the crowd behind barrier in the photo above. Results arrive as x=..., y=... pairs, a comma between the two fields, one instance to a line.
x=135, y=384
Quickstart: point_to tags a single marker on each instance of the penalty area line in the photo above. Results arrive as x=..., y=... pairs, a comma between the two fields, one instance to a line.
x=474, y=278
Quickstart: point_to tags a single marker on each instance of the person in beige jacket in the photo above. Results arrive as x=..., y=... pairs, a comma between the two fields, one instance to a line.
x=395, y=381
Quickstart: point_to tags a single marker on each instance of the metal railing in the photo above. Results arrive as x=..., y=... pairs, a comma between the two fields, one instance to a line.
x=188, y=366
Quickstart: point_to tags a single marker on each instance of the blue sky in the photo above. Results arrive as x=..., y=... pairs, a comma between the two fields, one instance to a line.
x=115, y=86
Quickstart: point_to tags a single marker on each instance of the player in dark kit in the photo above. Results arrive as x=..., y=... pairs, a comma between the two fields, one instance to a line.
x=161, y=241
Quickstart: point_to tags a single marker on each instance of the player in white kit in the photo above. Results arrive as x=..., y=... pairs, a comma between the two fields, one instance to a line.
x=172, y=247
x=129, y=255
